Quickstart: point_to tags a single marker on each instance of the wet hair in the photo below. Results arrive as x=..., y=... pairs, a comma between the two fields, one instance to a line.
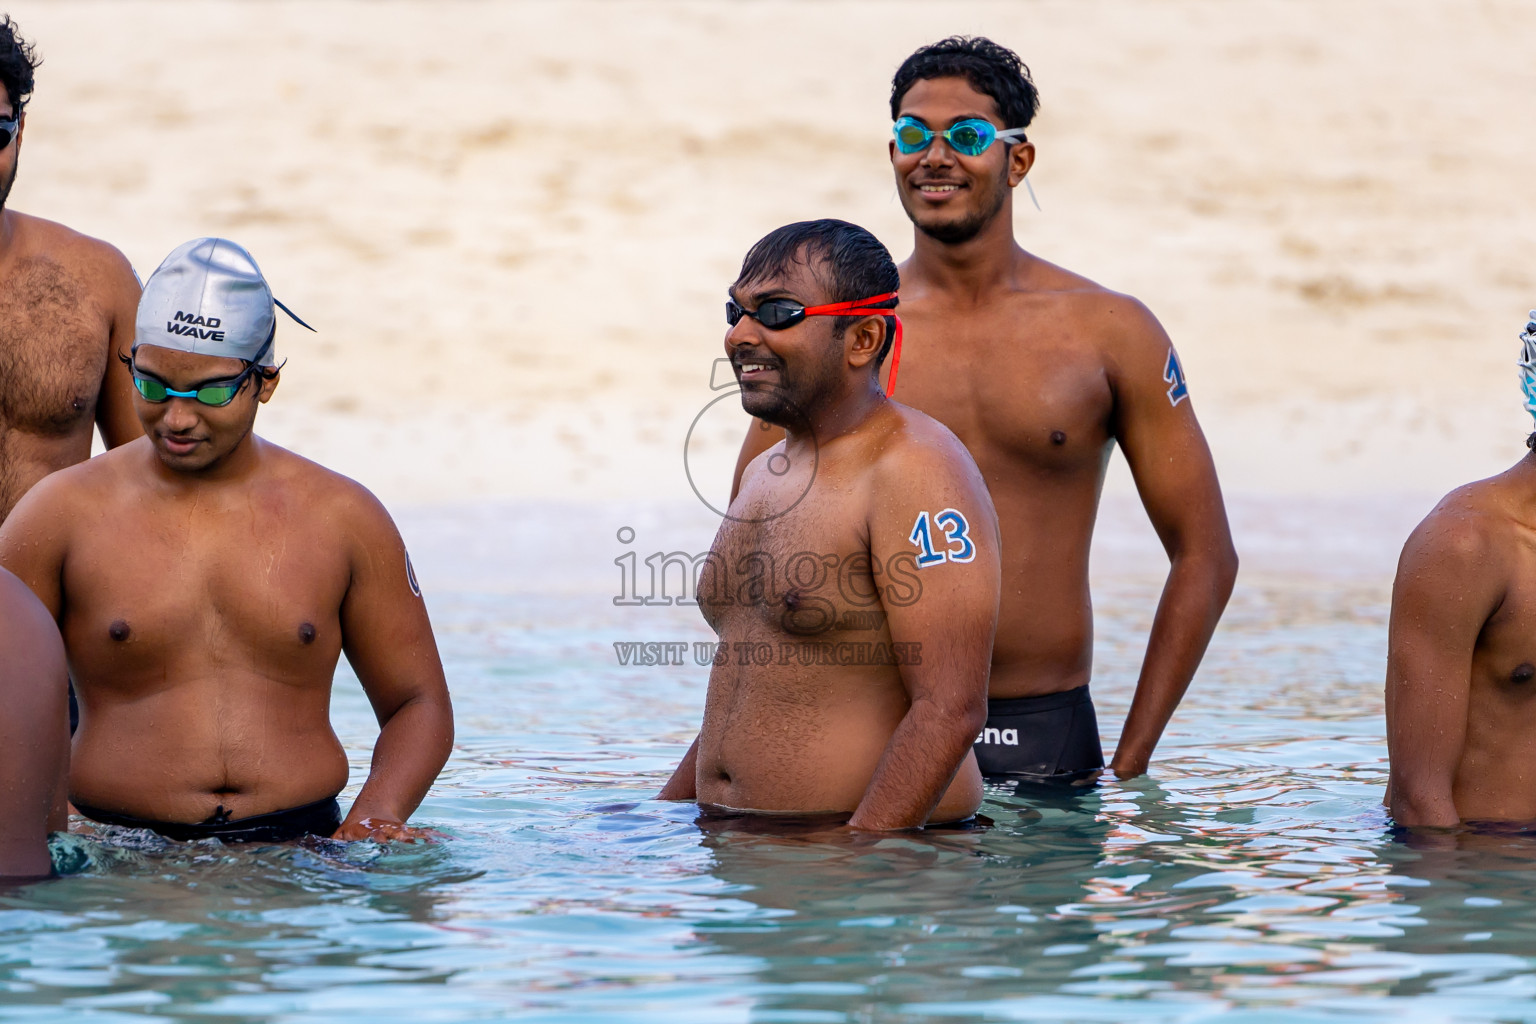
x=18, y=60
x=849, y=261
x=991, y=69
x=1530, y=442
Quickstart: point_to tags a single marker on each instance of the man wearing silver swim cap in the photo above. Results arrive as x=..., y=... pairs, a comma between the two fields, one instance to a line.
x=206, y=582
x=1461, y=650
x=66, y=306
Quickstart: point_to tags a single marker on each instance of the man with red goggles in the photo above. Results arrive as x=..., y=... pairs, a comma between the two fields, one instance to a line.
x=851, y=675
x=1041, y=372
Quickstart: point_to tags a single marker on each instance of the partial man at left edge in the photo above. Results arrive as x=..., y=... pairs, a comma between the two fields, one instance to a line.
x=67, y=305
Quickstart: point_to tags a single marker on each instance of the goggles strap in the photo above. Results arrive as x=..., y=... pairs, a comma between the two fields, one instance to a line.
x=859, y=307
x=853, y=308
x=1032, y=194
x=291, y=315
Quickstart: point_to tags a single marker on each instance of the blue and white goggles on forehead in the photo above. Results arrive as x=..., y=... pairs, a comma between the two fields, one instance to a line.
x=971, y=137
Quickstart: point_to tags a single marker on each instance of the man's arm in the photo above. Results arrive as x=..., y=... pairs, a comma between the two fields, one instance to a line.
x=115, y=417
x=949, y=627
x=34, y=732
x=35, y=537
x=1449, y=582
x=1176, y=478
x=388, y=640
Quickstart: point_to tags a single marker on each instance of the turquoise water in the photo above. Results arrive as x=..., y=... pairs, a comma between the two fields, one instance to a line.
x=1249, y=877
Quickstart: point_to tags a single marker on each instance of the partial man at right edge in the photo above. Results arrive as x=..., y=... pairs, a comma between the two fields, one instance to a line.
x=1040, y=373
x=1461, y=651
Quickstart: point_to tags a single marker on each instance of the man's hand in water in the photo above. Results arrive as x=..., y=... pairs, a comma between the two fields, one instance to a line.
x=384, y=830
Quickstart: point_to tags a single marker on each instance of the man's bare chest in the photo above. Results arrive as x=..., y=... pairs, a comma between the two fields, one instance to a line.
x=1504, y=660
x=54, y=338
x=151, y=591
x=1013, y=396
x=800, y=573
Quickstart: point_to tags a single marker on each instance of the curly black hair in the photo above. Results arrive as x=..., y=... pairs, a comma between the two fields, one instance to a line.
x=18, y=60
x=991, y=69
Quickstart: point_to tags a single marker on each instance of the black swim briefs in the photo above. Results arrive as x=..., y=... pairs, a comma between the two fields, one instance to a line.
x=1054, y=736
x=320, y=818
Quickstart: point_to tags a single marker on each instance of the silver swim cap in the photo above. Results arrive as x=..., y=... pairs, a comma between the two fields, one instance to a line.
x=209, y=298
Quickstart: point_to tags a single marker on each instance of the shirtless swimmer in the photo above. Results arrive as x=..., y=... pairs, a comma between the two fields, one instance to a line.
x=206, y=581
x=67, y=303
x=1461, y=658
x=854, y=581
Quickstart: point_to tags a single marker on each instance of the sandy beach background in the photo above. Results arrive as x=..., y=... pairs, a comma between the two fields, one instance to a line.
x=513, y=223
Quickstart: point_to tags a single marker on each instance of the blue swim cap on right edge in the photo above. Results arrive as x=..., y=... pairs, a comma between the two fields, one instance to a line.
x=1528, y=364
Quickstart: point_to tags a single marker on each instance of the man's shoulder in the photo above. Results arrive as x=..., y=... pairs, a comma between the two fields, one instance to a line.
x=1041, y=276
x=90, y=485
x=1115, y=322
x=43, y=238
x=331, y=493
x=1114, y=319
x=913, y=442
x=1469, y=527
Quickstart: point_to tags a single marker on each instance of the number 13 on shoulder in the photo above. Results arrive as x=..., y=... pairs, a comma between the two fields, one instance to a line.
x=955, y=530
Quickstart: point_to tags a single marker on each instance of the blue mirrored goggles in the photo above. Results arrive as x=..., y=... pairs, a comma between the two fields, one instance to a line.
x=972, y=137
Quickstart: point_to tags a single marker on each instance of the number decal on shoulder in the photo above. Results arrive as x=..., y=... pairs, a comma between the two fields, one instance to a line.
x=955, y=527
x=956, y=530
x=1173, y=376
x=922, y=536
x=410, y=576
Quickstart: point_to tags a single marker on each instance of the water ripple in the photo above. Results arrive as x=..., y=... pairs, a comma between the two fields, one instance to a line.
x=1250, y=877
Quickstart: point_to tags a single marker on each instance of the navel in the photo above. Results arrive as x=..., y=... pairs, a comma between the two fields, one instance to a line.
x=1523, y=673
x=1058, y=437
x=306, y=633
x=119, y=630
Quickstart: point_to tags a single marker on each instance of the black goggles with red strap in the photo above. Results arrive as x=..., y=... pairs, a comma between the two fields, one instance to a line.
x=781, y=314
